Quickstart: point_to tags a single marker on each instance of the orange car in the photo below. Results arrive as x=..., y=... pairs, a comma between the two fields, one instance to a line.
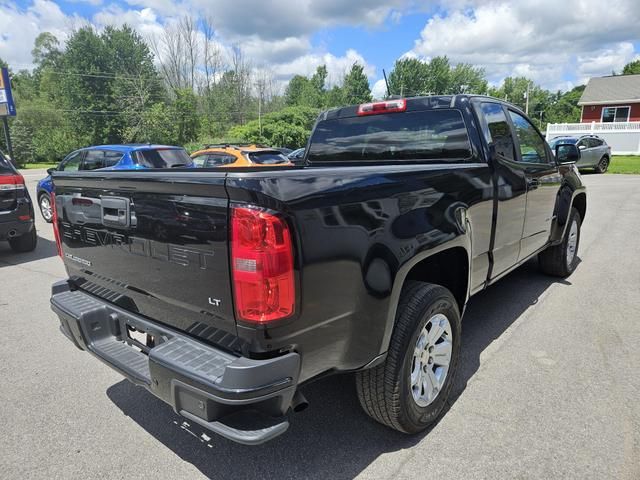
x=249, y=155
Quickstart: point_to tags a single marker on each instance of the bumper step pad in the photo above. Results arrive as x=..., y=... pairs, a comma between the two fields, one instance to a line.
x=202, y=383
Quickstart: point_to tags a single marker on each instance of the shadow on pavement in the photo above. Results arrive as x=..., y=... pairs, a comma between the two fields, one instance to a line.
x=333, y=438
x=44, y=249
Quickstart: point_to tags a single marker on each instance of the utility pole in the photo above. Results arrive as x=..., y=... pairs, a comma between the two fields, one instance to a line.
x=526, y=96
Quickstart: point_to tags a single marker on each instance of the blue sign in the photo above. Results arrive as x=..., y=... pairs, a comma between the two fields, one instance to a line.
x=7, y=107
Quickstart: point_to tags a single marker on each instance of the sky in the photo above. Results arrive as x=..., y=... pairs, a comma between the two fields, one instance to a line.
x=556, y=43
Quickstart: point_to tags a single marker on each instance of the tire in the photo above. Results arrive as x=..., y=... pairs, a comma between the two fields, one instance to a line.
x=603, y=165
x=24, y=243
x=160, y=231
x=386, y=392
x=44, y=203
x=561, y=260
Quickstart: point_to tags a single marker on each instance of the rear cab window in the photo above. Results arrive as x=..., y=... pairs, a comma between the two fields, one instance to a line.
x=438, y=135
x=163, y=158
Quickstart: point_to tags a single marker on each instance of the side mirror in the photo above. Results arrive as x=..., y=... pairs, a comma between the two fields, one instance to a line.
x=582, y=147
x=51, y=170
x=567, y=153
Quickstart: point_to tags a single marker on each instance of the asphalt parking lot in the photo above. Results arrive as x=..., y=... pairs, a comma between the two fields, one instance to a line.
x=549, y=385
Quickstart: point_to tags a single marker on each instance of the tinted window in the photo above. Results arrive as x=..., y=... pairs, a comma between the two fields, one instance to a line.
x=498, y=132
x=439, y=135
x=5, y=165
x=200, y=160
x=268, y=158
x=219, y=159
x=595, y=142
x=163, y=158
x=96, y=159
x=71, y=163
x=532, y=144
x=112, y=158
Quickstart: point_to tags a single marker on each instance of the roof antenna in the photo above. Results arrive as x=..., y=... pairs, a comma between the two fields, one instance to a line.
x=386, y=82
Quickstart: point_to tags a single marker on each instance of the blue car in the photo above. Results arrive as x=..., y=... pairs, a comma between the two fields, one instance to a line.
x=112, y=157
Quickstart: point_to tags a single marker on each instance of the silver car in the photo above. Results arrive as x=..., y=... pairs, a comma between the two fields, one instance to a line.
x=595, y=153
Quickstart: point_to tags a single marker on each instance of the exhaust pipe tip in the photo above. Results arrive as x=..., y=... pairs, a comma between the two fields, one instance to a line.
x=12, y=233
x=299, y=402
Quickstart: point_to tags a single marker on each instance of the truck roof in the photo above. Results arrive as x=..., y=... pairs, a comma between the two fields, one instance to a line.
x=418, y=103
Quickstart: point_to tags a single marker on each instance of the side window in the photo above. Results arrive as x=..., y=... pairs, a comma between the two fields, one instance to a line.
x=532, y=147
x=71, y=163
x=112, y=158
x=93, y=160
x=499, y=132
x=200, y=160
x=595, y=142
x=219, y=159
x=583, y=143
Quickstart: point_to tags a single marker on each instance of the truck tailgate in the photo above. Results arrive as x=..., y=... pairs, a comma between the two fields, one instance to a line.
x=154, y=243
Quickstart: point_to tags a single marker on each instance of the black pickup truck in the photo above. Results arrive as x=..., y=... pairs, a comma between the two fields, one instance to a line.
x=360, y=260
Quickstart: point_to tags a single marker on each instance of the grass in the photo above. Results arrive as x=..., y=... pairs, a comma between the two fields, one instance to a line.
x=628, y=164
x=34, y=166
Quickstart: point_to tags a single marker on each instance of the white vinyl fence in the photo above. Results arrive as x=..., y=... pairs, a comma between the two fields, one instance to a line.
x=623, y=137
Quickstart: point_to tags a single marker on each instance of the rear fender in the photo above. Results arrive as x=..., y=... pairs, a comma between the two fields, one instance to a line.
x=461, y=241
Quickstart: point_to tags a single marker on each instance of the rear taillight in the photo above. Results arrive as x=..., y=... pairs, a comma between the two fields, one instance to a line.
x=390, y=106
x=262, y=265
x=54, y=221
x=11, y=182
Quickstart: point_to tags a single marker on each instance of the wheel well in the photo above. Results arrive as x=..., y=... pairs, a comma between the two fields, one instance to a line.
x=449, y=268
x=580, y=203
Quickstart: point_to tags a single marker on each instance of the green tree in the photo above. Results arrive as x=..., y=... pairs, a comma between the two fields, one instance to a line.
x=438, y=76
x=157, y=125
x=22, y=142
x=563, y=106
x=185, y=115
x=411, y=76
x=632, y=68
x=355, y=86
x=514, y=90
x=109, y=79
x=46, y=50
x=335, y=97
x=465, y=78
x=295, y=90
x=289, y=127
x=309, y=92
x=408, y=77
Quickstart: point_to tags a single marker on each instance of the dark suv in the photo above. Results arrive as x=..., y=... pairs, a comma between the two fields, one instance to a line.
x=16, y=210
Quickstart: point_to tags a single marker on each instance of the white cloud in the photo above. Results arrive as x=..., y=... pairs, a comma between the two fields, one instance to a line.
x=144, y=21
x=545, y=40
x=20, y=27
x=379, y=89
x=337, y=67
